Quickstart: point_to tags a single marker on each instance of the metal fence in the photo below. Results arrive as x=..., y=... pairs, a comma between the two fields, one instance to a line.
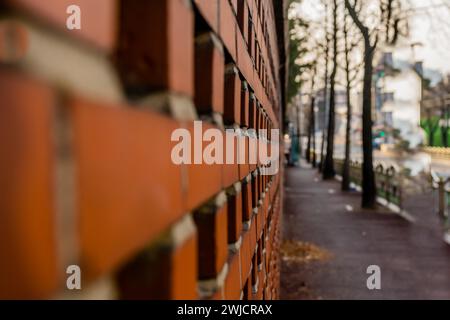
x=388, y=180
x=441, y=185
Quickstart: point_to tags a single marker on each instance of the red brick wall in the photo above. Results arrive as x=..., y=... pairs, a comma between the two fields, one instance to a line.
x=86, y=178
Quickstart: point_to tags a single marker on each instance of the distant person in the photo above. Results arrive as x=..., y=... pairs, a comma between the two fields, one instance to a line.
x=287, y=148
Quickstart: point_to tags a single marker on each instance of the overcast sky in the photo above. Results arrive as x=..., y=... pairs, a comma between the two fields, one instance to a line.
x=429, y=24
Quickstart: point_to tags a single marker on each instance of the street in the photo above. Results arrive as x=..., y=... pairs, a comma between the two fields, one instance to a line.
x=343, y=240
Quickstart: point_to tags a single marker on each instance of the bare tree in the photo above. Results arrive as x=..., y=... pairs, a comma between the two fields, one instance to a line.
x=326, y=51
x=328, y=167
x=351, y=71
x=389, y=16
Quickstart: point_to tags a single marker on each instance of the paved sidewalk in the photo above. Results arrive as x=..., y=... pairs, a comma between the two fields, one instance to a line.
x=414, y=260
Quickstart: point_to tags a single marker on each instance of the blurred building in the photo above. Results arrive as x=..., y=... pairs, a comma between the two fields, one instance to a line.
x=398, y=95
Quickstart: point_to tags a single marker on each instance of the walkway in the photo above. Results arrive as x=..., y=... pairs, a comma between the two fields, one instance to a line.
x=414, y=260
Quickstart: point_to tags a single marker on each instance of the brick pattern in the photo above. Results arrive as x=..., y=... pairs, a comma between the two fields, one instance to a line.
x=88, y=180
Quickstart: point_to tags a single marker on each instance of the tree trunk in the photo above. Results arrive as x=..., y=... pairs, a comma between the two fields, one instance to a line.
x=368, y=183
x=325, y=92
x=328, y=168
x=324, y=138
x=308, y=145
x=313, y=131
x=345, y=185
x=346, y=167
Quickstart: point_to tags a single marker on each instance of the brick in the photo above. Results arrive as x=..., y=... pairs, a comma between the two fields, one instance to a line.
x=242, y=17
x=27, y=230
x=254, y=277
x=255, y=190
x=259, y=253
x=209, y=71
x=245, y=100
x=233, y=284
x=253, y=152
x=244, y=167
x=211, y=222
x=157, y=58
x=247, y=207
x=228, y=26
x=165, y=270
x=256, y=114
x=14, y=41
x=232, y=110
x=247, y=291
x=260, y=293
x=210, y=12
x=98, y=18
x=245, y=256
x=234, y=195
x=203, y=180
x=234, y=5
x=253, y=114
x=124, y=194
x=253, y=237
x=230, y=170
x=259, y=221
x=217, y=295
x=251, y=42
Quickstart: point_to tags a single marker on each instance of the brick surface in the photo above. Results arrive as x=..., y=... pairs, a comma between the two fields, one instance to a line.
x=245, y=101
x=209, y=71
x=166, y=61
x=98, y=18
x=14, y=41
x=233, y=284
x=125, y=194
x=102, y=189
x=247, y=208
x=211, y=221
x=166, y=270
x=230, y=171
x=234, y=195
x=232, y=104
x=27, y=226
x=203, y=180
x=210, y=12
x=228, y=26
